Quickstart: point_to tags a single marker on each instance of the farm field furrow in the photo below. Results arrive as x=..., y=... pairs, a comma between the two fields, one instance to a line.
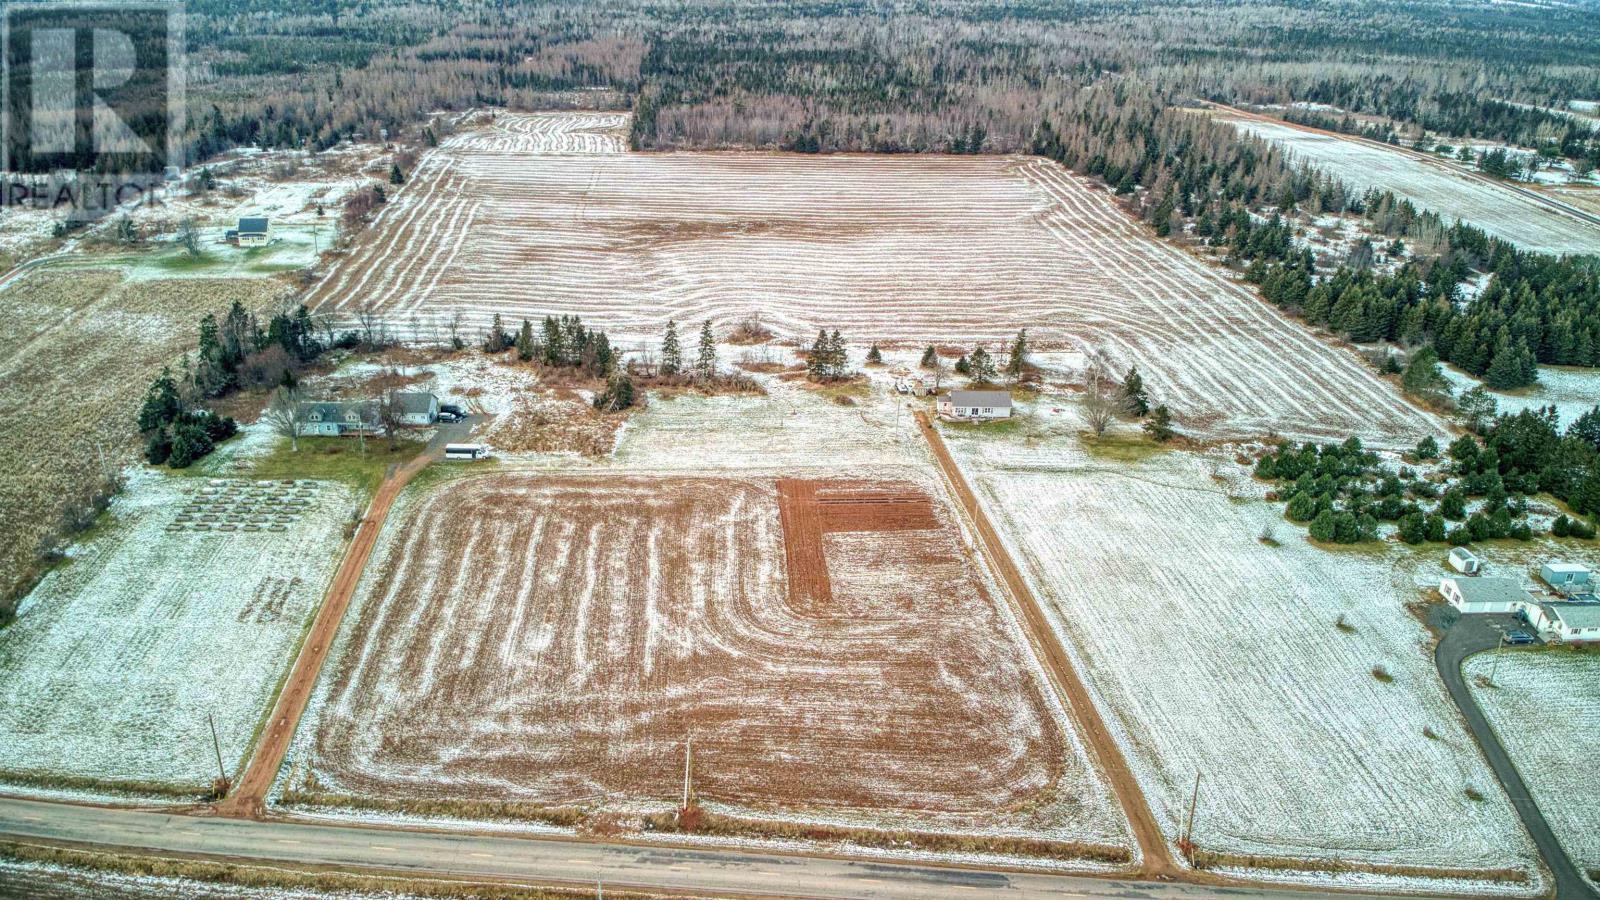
x=911, y=249
x=1157, y=584
x=1434, y=185
x=554, y=639
x=1545, y=707
x=159, y=621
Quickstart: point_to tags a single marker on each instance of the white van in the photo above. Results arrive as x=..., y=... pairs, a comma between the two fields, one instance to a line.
x=466, y=451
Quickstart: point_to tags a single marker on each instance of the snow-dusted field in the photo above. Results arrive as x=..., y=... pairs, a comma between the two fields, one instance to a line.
x=117, y=658
x=1571, y=391
x=551, y=639
x=1442, y=187
x=1212, y=652
x=948, y=249
x=1546, y=709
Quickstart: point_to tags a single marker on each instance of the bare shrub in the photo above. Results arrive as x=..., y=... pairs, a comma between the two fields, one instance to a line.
x=1381, y=673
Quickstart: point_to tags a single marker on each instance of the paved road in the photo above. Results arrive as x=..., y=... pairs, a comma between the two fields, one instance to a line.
x=554, y=862
x=249, y=796
x=1156, y=857
x=1475, y=634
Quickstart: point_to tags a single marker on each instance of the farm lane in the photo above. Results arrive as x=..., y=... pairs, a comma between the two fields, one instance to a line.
x=706, y=873
x=1468, y=636
x=248, y=798
x=1156, y=857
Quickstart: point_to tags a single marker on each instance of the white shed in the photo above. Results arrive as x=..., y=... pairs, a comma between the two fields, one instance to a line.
x=1464, y=561
x=1485, y=595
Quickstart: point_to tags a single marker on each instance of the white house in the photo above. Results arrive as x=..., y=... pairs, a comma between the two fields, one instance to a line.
x=416, y=407
x=1566, y=577
x=1463, y=561
x=975, y=405
x=254, y=231
x=1572, y=623
x=1485, y=595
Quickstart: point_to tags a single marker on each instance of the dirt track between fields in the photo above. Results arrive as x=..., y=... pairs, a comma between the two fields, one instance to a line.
x=1158, y=862
x=249, y=796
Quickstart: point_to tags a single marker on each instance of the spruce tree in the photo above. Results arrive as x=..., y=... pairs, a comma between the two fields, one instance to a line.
x=817, y=362
x=930, y=358
x=554, y=342
x=706, y=365
x=1159, y=425
x=671, y=352
x=161, y=405
x=874, y=357
x=982, y=368
x=525, y=341
x=1019, y=354
x=1133, y=394
x=838, y=357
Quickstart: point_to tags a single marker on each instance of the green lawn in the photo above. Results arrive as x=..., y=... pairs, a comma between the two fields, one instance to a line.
x=327, y=459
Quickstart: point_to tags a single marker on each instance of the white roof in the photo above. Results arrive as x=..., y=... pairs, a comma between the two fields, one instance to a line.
x=1566, y=567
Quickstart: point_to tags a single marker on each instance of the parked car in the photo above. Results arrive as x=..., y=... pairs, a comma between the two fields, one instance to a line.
x=1518, y=637
x=453, y=410
x=448, y=417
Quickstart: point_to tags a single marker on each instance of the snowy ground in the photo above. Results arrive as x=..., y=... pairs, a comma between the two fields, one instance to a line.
x=1438, y=186
x=501, y=221
x=1571, y=391
x=1212, y=652
x=117, y=658
x=1546, y=709
x=791, y=431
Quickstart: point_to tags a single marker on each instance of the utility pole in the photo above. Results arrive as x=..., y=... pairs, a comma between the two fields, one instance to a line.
x=1494, y=667
x=1188, y=829
x=216, y=745
x=688, y=762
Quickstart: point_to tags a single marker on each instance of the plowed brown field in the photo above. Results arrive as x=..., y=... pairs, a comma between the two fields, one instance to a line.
x=552, y=640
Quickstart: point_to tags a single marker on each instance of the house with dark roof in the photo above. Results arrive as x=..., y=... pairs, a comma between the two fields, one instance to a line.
x=254, y=231
x=334, y=418
x=416, y=407
x=1485, y=594
x=1566, y=621
x=975, y=405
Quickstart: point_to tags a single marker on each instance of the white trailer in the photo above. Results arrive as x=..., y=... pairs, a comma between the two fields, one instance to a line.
x=466, y=451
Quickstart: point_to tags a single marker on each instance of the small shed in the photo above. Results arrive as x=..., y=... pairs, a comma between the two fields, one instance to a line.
x=1464, y=561
x=1485, y=595
x=416, y=407
x=975, y=405
x=1566, y=577
x=254, y=231
x=1572, y=623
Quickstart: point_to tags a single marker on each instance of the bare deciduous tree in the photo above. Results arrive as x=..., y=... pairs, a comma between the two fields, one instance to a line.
x=284, y=415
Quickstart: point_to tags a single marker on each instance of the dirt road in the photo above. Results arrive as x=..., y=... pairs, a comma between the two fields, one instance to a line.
x=249, y=796
x=1158, y=862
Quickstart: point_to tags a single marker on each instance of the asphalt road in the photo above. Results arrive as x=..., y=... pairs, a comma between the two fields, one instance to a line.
x=557, y=862
x=1475, y=634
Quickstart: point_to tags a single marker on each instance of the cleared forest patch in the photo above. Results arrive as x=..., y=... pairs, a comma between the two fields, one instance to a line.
x=1510, y=212
x=541, y=647
x=926, y=248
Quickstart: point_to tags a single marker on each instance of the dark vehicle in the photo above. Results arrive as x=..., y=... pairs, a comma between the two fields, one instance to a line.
x=452, y=409
x=1519, y=637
